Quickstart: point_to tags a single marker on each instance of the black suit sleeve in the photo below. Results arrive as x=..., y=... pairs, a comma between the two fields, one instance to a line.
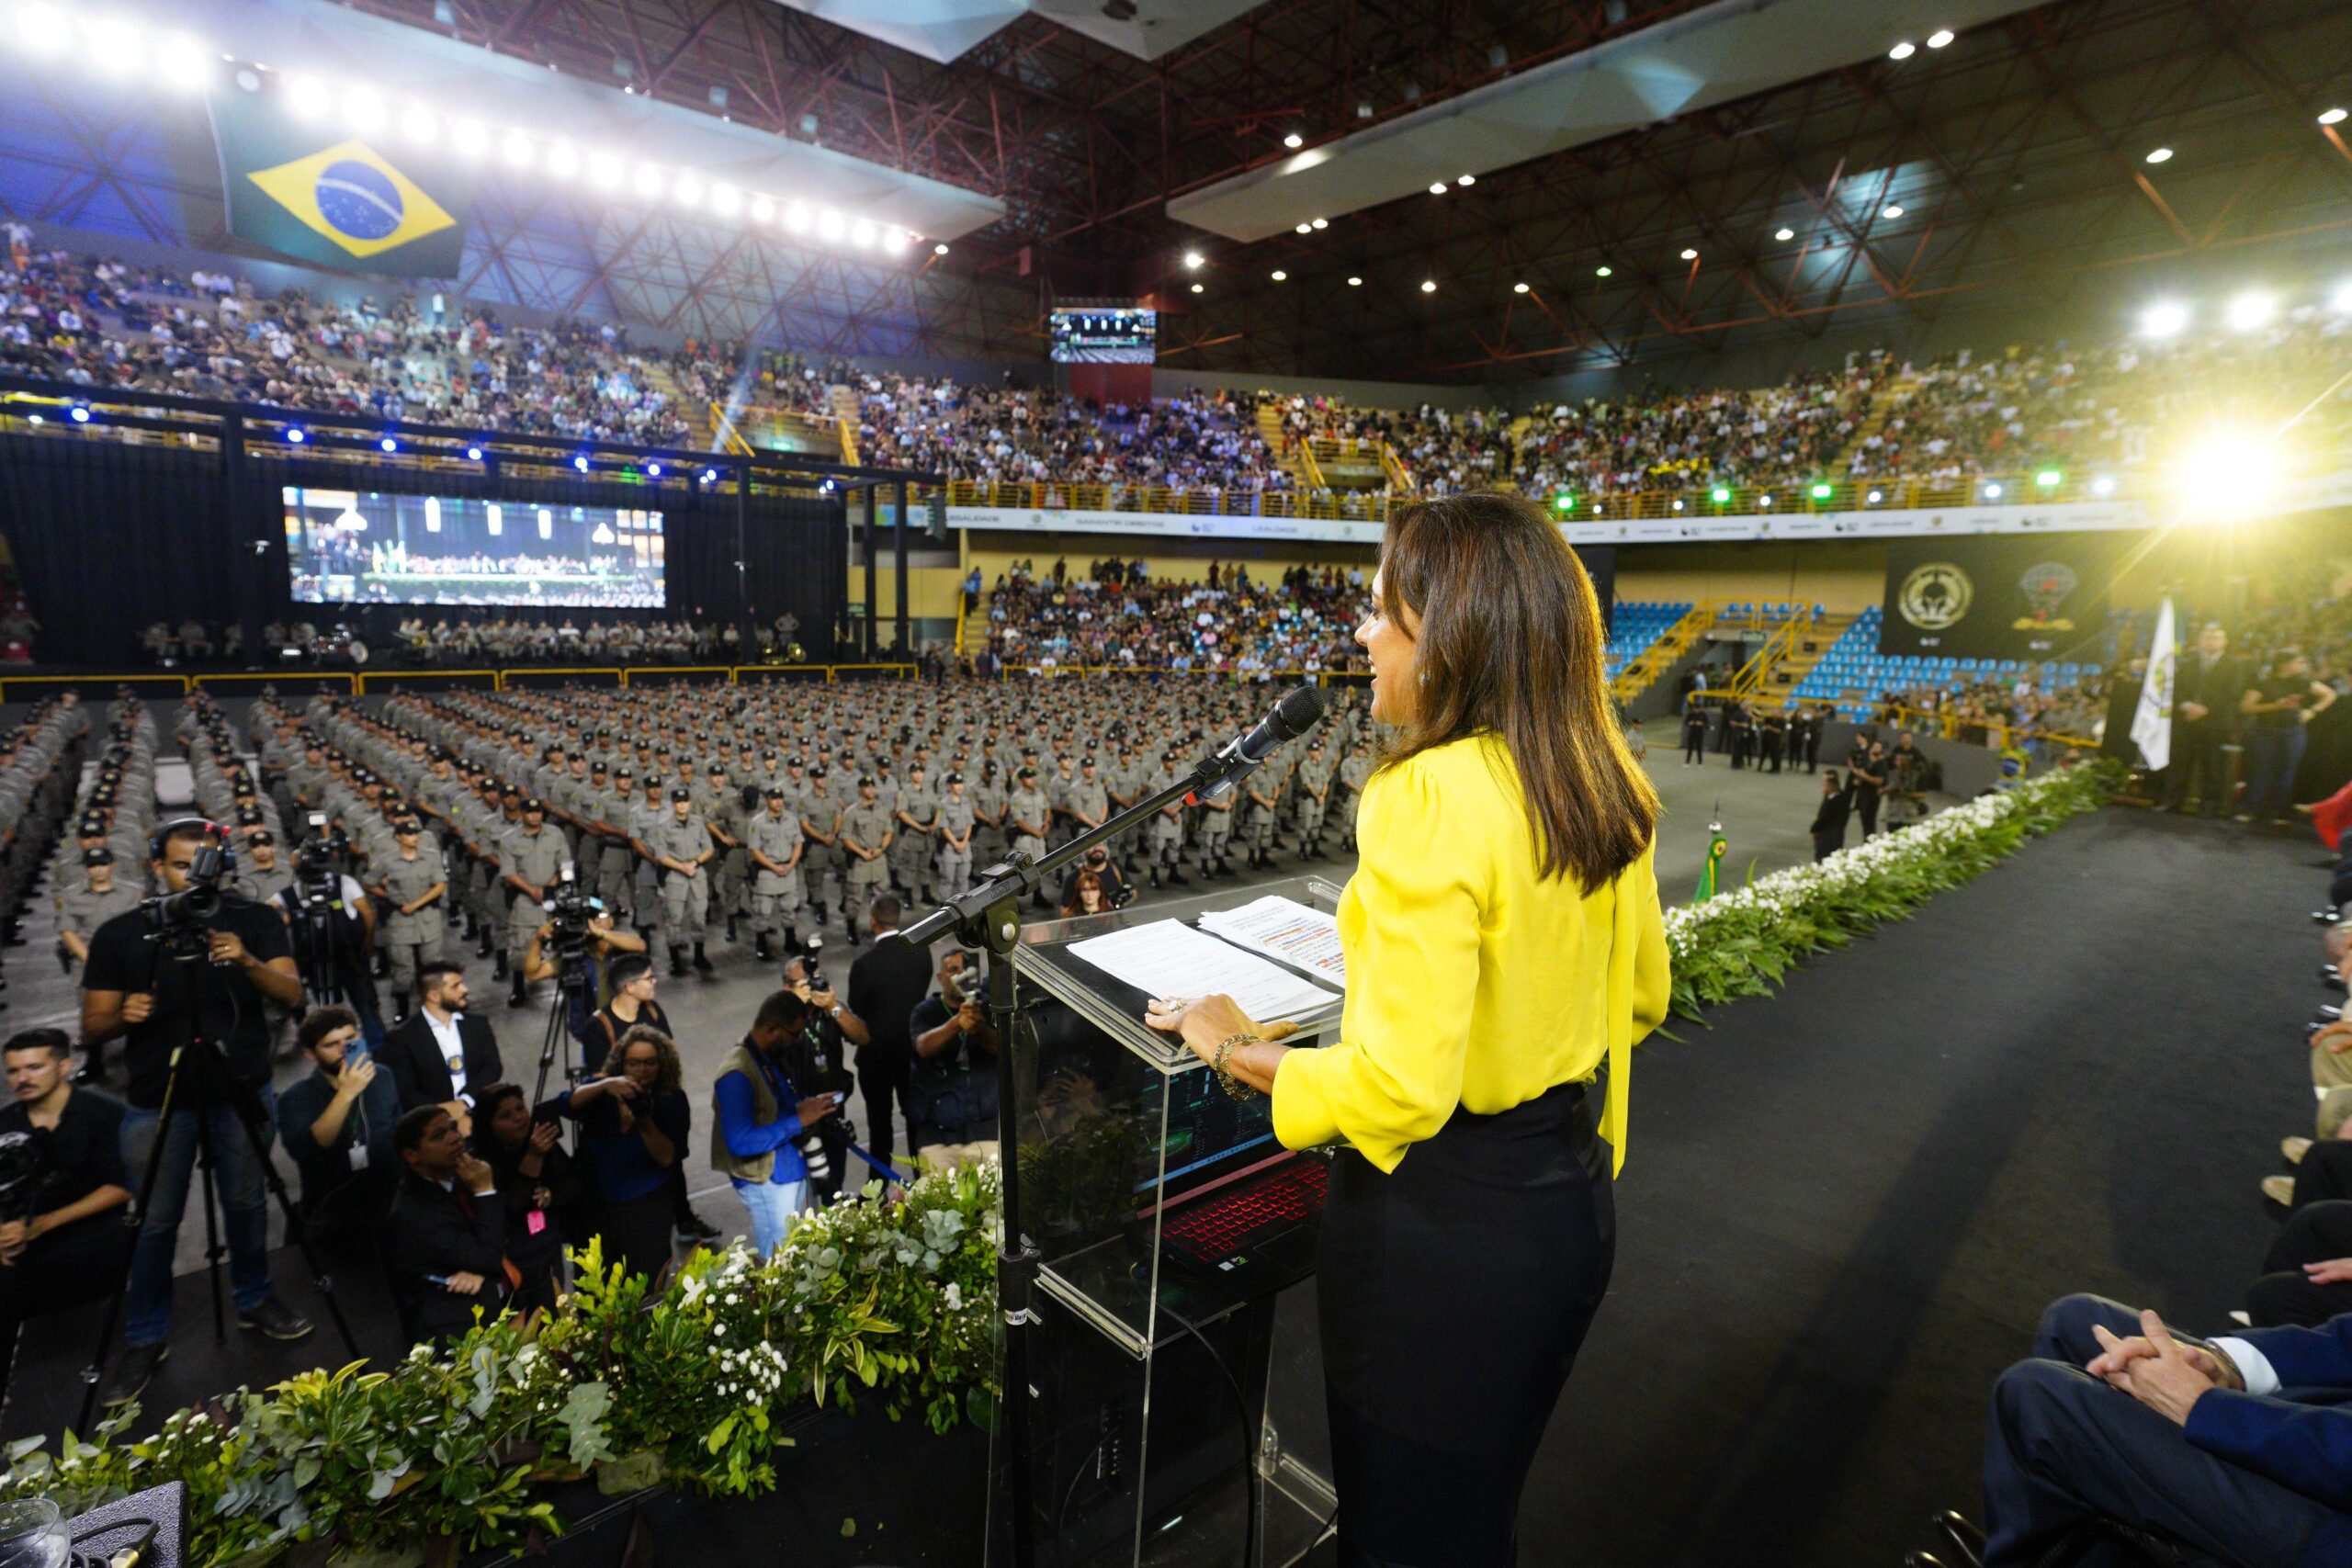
x=432, y=1235
x=400, y=1055
x=484, y=1065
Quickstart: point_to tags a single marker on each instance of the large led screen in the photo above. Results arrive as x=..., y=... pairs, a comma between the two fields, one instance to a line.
x=373, y=547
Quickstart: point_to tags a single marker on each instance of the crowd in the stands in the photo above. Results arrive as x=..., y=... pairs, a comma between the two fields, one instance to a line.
x=1117, y=615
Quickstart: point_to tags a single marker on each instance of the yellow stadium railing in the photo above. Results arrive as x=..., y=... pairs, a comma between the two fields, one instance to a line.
x=386, y=677
x=310, y=679
x=32, y=688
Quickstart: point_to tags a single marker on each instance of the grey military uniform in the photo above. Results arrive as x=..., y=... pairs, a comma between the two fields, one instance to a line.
x=1031, y=807
x=777, y=899
x=910, y=851
x=537, y=858
x=868, y=826
x=953, y=865
x=686, y=899
x=80, y=911
x=414, y=939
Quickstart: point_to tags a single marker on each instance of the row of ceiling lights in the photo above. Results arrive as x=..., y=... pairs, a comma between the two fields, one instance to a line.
x=118, y=47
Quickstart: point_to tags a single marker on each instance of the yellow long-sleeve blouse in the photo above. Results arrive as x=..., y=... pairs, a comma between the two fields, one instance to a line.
x=1471, y=980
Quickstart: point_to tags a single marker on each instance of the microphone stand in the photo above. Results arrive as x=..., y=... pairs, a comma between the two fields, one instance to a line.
x=987, y=918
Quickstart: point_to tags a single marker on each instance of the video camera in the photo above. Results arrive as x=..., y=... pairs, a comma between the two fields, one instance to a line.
x=179, y=920
x=571, y=914
x=317, y=865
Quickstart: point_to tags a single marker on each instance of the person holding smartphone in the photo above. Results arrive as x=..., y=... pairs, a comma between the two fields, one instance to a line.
x=337, y=1124
x=758, y=1117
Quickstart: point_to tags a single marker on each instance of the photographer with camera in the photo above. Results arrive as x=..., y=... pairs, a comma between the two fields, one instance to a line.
x=762, y=1120
x=61, y=1179
x=951, y=1097
x=332, y=927
x=632, y=1003
x=819, y=1063
x=580, y=931
x=134, y=989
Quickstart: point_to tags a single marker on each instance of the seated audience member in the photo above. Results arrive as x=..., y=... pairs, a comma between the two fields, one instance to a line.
x=760, y=1116
x=2231, y=1447
x=543, y=1188
x=69, y=1245
x=953, y=1101
x=337, y=1124
x=633, y=1126
x=445, y=1240
x=441, y=1054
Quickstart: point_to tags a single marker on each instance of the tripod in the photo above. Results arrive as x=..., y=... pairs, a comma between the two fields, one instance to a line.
x=202, y=1060
x=571, y=983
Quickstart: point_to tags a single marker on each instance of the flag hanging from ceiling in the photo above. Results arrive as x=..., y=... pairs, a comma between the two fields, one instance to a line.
x=320, y=194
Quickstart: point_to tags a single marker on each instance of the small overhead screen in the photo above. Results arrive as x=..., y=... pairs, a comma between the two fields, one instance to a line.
x=1105, y=334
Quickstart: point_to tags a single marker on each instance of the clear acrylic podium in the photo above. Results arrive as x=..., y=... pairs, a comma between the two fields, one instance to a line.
x=1177, y=1409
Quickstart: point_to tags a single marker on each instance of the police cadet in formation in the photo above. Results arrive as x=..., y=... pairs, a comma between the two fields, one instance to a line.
x=957, y=821
x=414, y=883
x=866, y=836
x=683, y=850
x=774, y=843
x=531, y=860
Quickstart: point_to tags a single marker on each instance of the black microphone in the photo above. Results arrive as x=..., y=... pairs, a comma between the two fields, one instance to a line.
x=1301, y=709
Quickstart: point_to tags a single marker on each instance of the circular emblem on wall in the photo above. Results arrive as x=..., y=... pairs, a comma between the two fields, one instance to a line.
x=1935, y=596
x=358, y=200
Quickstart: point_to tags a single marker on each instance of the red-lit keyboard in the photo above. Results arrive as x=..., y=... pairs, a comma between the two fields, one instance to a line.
x=1221, y=1226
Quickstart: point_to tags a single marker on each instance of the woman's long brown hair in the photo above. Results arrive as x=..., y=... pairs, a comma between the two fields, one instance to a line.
x=1511, y=645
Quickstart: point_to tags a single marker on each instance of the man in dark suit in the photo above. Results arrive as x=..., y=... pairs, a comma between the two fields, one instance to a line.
x=445, y=1240
x=441, y=1055
x=885, y=984
x=2207, y=684
x=2232, y=1446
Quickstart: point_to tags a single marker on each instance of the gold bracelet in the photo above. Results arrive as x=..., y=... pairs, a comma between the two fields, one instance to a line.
x=1221, y=1064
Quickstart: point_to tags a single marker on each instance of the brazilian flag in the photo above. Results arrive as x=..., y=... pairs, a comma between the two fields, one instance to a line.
x=1711, y=876
x=323, y=195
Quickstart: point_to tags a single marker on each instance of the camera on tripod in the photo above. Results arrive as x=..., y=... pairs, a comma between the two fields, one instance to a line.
x=571, y=914
x=180, y=920
x=318, y=866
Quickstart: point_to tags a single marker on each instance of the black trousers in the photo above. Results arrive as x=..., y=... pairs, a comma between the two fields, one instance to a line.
x=886, y=1083
x=1827, y=845
x=1494, y=1241
x=2284, y=1295
x=1695, y=745
x=1866, y=808
x=2199, y=766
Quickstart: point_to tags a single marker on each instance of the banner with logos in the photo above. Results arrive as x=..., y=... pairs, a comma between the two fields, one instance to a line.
x=2034, y=597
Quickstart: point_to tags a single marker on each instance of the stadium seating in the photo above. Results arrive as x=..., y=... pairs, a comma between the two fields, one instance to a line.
x=1635, y=627
x=1853, y=676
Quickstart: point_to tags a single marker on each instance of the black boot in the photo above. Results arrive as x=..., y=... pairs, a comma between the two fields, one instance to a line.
x=498, y=969
x=760, y=949
x=383, y=967
x=1176, y=877
x=94, y=1067
x=702, y=960
x=1155, y=879
x=481, y=944
x=520, y=995
x=730, y=927
x=677, y=963
x=400, y=1006
x=791, y=939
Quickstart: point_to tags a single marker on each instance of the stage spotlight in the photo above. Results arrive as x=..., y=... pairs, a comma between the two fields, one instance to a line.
x=2252, y=310
x=294, y=436
x=1874, y=497
x=470, y=138
x=1784, y=232
x=1438, y=188
x=649, y=180
x=2160, y=156
x=110, y=46
x=35, y=418
x=763, y=209
x=1519, y=288
x=1429, y=286
x=861, y=234
x=606, y=170
x=518, y=150
x=1894, y=210
x=307, y=97
x=562, y=160
x=796, y=218
x=1279, y=276
x=1721, y=496
x=41, y=30
x=1821, y=492
x=362, y=111
x=1605, y=272
x=1303, y=228
x=710, y=476
x=419, y=123
x=1355, y=283
x=388, y=445
x=830, y=225
x=1321, y=223
x=1903, y=50
x=1465, y=179
x=895, y=241
x=1993, y=490
x=183, y=62
x=726, y=200
x=2103, y=486
x=1192, y=259
x=1677, y=504
x=687, y=191
x=1764, y=501
x=2332, y=117
x=2049, y=479
x=580, y=463
x=1939, y=37
x=473, y=454
x=1294, y=141
x=78, y=414
x=2164, y=319
x=1564, y=503
x=1196, y=289
x=2229, y=473
x=654, y=470
x=1690, y=254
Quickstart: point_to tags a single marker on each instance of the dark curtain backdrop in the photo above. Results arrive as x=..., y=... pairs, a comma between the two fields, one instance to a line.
x=110, y=538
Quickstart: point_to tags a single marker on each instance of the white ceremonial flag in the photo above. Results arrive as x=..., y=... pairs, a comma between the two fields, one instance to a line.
x=2152, y=723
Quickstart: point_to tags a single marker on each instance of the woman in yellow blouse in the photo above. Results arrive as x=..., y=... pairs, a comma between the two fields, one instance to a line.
x=1505, y=950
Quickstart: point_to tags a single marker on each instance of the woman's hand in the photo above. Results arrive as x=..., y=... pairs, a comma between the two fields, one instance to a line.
x=1206, y=1022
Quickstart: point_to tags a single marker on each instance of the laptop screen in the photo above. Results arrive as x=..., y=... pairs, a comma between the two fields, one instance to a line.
x=1210, y=1135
